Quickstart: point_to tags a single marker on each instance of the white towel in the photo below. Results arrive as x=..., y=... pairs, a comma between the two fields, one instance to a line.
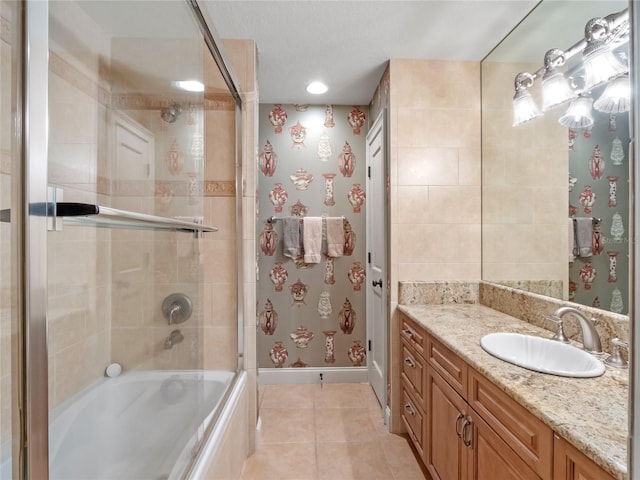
x=312, y=239
x=571, y=240
x=583, y=236
x=335, y=236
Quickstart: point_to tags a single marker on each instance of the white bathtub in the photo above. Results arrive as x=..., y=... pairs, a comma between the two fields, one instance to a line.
x=138, y=426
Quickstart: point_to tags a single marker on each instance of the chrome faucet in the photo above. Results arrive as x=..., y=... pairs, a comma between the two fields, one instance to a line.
x=590, y=337
x=173, y=338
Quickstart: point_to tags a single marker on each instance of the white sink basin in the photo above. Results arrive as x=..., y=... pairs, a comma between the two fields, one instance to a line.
x=542, y=355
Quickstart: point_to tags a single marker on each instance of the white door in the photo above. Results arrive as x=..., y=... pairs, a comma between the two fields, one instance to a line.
x=377, y=260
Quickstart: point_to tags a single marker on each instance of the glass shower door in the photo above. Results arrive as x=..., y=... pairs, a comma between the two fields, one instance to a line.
x=133, y=93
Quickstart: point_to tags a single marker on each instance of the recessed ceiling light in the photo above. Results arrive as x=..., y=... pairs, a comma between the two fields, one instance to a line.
x=189, y=85
x=317, y=88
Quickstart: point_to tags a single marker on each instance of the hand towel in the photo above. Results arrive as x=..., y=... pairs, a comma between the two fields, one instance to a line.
x=312, y=239
x=584, y=232
x=571, y=240
x=335, y=236
x=291, y=237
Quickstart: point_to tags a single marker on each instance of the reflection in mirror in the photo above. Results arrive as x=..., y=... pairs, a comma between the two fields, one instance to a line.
x=555, y=150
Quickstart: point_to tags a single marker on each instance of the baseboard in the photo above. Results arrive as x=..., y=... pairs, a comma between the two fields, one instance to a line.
x=387, y=417
x=279, y=376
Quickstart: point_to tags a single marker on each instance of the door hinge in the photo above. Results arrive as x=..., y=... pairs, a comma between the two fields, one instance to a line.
x=369, y=172
x=369, y=345
x=369, y=258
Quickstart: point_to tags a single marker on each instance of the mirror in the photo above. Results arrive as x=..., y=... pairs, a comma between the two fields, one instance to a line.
x=542, y=180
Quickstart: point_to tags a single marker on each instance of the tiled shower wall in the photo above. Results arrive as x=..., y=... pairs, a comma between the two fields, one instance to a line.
x=312, y=163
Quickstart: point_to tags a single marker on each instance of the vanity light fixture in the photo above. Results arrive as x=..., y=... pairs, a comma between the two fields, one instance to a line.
x=616, y=98
x=578, y=114
x=556, y=89
x=600, y=64
x=317, y=88
x=524, y=107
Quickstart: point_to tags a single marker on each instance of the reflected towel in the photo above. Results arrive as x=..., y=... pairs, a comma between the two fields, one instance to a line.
x=335, y=236
x=583, y=234
x=312, y=239
x=571, y=240
x=291, y=237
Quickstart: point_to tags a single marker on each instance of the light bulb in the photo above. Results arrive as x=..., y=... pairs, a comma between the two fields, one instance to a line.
x=524, y=108
x=578, y=114
x=616, y=98
x=555, y=90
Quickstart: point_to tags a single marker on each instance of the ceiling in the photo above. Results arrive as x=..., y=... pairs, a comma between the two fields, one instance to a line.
x=347, y=43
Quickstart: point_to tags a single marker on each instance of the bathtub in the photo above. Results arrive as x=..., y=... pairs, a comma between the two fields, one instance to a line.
x=140, y=425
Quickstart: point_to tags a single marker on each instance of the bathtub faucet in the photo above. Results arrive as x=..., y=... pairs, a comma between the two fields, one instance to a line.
x=173, y=338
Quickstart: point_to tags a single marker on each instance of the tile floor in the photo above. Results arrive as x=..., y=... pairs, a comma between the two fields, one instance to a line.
x=333, y=432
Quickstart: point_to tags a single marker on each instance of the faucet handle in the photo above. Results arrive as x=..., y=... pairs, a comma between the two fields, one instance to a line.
x=559, y=335
x=616, y=359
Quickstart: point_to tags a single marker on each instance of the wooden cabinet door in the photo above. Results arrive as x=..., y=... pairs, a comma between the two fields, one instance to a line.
x=570, y=464
x=492, y=458
x=445, y=453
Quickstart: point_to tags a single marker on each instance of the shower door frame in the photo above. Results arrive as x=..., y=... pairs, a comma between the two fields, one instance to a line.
x=35, y=120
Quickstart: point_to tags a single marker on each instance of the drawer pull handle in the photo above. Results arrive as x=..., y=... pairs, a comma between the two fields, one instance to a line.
x=458, y=429
x=410, y=362
x=467, y=434
x=409, y=409
x=409, y=333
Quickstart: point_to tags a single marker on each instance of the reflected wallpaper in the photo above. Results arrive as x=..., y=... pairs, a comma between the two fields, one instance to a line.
x=599, y=189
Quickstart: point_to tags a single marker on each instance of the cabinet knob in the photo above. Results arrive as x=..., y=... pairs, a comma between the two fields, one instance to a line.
x=409, y=333
x=409, y=409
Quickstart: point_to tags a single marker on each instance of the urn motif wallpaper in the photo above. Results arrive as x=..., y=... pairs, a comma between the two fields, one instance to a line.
x=599, y=189
x=312, y=164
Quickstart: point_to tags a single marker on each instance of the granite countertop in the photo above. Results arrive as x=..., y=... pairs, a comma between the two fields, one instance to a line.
x=591, y=413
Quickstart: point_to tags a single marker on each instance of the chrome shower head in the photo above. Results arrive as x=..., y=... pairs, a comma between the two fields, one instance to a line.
x=171, y=113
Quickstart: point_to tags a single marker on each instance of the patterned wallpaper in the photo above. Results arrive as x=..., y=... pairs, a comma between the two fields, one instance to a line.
x=599, y=188
x=311, y=163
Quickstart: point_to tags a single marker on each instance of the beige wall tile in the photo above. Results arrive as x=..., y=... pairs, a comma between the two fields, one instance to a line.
x=427, y=166
x=413, y=204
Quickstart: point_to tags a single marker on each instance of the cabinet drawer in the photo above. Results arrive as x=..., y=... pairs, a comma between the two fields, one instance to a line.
x=413, y=334
x=451, y=367
x=413, y=419
x=529, y=438
x=413, y=370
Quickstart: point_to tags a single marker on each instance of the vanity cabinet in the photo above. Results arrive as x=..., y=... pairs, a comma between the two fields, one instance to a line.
x=571, y=464
x=466, y=428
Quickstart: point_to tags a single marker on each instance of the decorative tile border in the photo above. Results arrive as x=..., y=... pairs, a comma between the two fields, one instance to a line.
x=79, y=80
x=157, y=102
x=172, y=188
